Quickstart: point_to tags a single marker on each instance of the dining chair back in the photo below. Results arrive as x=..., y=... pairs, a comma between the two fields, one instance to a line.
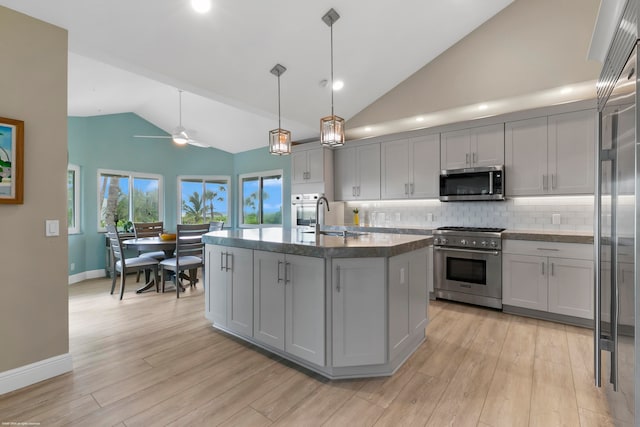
x=149, y=229
x=125, y=265
x=216, y=225
x=189, y=255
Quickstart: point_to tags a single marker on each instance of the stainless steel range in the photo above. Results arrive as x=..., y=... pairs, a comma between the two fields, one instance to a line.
x=468, y=265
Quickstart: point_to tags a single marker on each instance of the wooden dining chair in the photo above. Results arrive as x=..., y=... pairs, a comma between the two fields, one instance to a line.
x=149, y=229
x=189, y=255
x=216, y=225
x=124, y=265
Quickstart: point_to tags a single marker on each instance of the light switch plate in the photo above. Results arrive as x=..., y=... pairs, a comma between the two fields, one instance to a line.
x=430, y=217
x=52, y=227
x=555, y=219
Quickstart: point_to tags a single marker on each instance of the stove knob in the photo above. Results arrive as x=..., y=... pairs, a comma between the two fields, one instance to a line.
x=443, y=241
x=473, y=243
x=484, y=243
x=493, y=244
x=436, y=241
x=463, y=242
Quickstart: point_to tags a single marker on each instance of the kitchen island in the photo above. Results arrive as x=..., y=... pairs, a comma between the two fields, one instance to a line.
x=344, y=307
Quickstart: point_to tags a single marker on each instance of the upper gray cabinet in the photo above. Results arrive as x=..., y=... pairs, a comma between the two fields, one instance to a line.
x=410, y=168
x=357, y=172
x=312, y=169
x=551, y=155
x=479, y=146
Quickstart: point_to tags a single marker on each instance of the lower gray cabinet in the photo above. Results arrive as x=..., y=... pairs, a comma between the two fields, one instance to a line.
x=230, y=281
x=358, y=311
x=289, y=304
x=407, y=297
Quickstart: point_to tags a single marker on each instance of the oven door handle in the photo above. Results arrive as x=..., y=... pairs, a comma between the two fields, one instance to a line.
x=473, y=251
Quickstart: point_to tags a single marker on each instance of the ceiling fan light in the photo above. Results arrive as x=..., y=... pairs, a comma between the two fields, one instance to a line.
x=180, y=136
x=332, y=131
x=279, y=142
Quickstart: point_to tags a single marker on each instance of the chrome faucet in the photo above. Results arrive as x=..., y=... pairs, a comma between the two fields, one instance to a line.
x=320, y=199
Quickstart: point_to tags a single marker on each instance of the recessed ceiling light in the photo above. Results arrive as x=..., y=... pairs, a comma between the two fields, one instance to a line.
x=483, y=107
x=367, y=129
x=201, y=6
x=419, y=119
x=338, y=84
x=566, y=90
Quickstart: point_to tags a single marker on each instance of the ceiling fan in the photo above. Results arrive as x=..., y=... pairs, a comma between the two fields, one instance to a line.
x=179, y=134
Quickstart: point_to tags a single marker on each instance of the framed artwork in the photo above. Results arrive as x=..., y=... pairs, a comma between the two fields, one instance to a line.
x=11, y=161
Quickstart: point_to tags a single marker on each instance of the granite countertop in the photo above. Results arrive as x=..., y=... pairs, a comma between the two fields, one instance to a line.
x=394, y=230
x=292, y=241
x=549, y=236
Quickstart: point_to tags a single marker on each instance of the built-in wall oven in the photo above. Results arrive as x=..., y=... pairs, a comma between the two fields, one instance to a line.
x=468, y=265
x=303, y=209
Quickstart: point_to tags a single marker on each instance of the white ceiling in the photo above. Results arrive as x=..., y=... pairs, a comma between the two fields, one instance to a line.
x=133, y=56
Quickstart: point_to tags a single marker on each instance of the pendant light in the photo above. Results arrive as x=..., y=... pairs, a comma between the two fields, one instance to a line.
x=279, y=139
x=331, y=127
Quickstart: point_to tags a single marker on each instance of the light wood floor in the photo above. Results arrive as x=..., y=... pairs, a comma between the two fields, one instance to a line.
x=154, y=360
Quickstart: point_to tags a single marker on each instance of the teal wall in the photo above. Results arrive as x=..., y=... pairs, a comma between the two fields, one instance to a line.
x=106, y=142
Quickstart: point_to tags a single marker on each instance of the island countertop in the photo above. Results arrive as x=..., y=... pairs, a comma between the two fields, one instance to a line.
x=292, y=241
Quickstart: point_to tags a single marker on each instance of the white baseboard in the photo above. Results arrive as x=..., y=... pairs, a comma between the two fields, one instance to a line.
x=86, y=275
x=39, y=371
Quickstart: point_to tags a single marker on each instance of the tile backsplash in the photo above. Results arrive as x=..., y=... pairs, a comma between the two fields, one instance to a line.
x=560, y=213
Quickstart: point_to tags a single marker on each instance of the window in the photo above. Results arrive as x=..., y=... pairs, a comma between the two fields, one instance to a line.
x=125, y=197
x=73, y=199
x=203, y=199
x=261, y=198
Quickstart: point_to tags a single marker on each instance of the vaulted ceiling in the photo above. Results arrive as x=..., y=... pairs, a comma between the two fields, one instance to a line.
x=135, y=55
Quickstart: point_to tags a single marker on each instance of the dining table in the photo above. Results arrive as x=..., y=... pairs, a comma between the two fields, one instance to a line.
x=151, y=244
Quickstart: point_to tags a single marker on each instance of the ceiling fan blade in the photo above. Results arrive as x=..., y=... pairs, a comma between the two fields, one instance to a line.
x=197, y=144
x=152, y=136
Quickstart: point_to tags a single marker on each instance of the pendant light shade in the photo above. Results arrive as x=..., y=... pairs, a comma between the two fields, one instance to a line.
x=331, y=127
x=279, y=139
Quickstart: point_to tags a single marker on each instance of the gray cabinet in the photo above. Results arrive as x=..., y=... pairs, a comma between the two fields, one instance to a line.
x=357, y=172
x=474, y=147
x=410, y=168
x=358, y=311
x=407, y=297
x=551, y=155
x=550, y=277
x=289, y=304
x=230, y=283
x=312, y=169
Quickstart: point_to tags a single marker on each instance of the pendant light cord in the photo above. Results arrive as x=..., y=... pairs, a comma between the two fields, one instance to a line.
x=279, y=125
x=332, y=67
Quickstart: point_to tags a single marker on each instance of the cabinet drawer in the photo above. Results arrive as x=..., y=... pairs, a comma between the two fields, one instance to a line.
x=551, y=249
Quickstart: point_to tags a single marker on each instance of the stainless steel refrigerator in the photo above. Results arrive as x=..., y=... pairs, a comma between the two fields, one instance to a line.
x=617, y=214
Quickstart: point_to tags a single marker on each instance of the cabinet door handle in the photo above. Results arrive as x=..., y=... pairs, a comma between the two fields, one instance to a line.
x=548, y=249
x=338, y=278
x=544, y=181
x=466, y=159
x=287, y=279
x=406, y=189
x=353, y=191
x=411, y=188
x=221, y=263
x=474, y=158
x=553, y=181
x=227, y=262
x=542, y=268
x=358, y=191
x=279, y=278
x=552, y=268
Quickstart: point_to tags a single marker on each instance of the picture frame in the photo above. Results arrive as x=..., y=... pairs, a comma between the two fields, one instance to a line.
x=11, y=161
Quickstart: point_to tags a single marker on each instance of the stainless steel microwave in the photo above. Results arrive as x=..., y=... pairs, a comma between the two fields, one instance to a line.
x=472, y=184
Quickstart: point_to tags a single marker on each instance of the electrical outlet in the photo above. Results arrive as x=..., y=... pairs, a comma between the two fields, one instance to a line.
x=555, y=219
x=73, y=266
x=430, y=217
